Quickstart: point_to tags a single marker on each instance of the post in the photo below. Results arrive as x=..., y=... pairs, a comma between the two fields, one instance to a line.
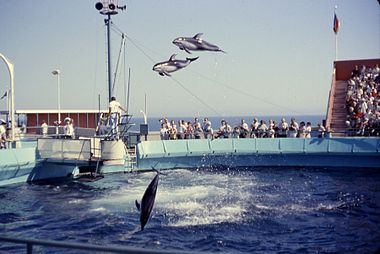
x=10, y=67
x=108, y=24
x=336, y=47
x=146, y=110
x=57, y=73
x=336, y=29
x=129, y=89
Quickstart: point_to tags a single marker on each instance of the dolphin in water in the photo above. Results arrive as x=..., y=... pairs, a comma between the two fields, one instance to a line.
x=172, y=65
x=195, y=43
x=147, y=201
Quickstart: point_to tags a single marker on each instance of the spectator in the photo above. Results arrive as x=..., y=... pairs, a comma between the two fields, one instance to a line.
x=207, y=129
x=44, y=128
x=254, y=128
x=293, y=128
x=243, y=129
x=262, y=129
x=3, y=134
x=308, y=130
x=189, y=134
x=284, y=127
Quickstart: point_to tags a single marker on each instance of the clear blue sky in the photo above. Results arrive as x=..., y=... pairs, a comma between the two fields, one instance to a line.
x=278, y=62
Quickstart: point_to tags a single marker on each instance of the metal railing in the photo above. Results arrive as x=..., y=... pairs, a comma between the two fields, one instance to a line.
x=29, y=243
x=330, y=102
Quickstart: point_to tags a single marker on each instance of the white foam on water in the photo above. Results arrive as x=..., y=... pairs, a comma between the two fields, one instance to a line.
x=195, y=214
x=98, y=210
x=77, y=201
x=186, y=198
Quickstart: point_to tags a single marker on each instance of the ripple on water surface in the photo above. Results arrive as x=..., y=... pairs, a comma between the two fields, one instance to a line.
x=268, y=210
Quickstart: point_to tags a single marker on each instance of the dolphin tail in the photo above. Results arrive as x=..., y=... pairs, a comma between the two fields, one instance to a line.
x=192, y=59
x=137, y=205
x=159, y=172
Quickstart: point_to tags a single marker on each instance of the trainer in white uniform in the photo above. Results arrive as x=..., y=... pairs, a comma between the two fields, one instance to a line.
x=115, y=112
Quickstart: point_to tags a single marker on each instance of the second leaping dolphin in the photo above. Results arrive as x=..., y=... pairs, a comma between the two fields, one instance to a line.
x=195, y=43
x=172, y=65
x=147, y=201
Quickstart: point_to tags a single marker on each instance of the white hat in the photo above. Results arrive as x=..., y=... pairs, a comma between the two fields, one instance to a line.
x=67, y=119
x=2, y=121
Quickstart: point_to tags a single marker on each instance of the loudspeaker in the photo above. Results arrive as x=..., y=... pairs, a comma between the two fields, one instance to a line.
x=98, y=6
x=111, y=7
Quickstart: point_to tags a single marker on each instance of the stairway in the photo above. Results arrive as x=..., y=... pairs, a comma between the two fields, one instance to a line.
x=339, y=111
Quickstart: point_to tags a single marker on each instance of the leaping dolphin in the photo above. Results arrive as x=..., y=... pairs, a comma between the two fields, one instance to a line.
x=147, y=201
x=172, y=65
x=195, y=43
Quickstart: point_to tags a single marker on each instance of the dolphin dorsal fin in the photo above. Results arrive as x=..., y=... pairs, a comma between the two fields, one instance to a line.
x=172, y=58
x=198, y=36
x=137, y=205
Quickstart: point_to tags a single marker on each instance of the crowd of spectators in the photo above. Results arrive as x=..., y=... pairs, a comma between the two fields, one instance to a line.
x=363, y=102
x=257, y=129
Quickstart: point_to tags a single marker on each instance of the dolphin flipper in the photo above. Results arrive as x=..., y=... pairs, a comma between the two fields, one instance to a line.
x=137, y=205
x=188, y=51
x=192, y=59
x=167, y=74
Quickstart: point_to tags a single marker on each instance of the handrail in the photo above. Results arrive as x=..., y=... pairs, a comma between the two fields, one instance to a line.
x=330, y=102
x=88, y=247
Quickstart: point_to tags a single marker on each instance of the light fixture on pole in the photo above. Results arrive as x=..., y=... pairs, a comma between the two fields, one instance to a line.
x=57, y=73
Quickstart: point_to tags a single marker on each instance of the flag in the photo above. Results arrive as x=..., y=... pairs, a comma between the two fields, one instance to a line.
x=336, y=24
x=5, y=95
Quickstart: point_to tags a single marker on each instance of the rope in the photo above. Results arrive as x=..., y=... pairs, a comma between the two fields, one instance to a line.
x=118, y=62
x=196, y=97
x=215, y=82
x=241, y=91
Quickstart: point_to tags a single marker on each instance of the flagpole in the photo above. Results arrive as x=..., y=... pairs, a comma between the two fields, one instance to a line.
x=336, y=37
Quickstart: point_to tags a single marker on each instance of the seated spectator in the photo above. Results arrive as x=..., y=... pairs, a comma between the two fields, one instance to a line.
x=362, y=100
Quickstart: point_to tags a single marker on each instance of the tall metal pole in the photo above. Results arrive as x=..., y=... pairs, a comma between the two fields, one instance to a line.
x=10, y=67
x=129, y=89
x=108, y=24
x=57, y=73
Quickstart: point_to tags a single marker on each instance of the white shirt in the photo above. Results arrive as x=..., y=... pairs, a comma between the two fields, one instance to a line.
x=44, y=127
x=115, y=107
x=2, y=132
x=69, y=130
